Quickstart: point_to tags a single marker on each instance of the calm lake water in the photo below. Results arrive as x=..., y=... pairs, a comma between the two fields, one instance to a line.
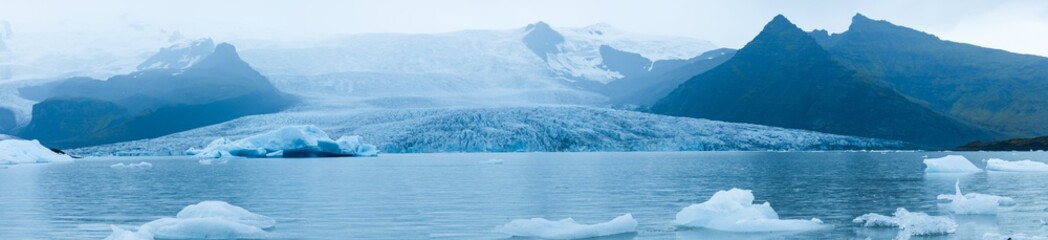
x=458, y=196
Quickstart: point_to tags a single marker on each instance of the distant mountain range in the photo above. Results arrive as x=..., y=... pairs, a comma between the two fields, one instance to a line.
x=1015, y=144
x=875, y=80
x=181, y=88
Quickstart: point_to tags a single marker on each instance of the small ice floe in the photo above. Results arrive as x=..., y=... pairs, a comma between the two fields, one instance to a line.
x=205, y=220
x=494, y=161
x=734, y=211
x=140, y=165
x=1000, y=165
x=567, y=228
x=950, y=164
x=290, y=141
x=209, y=161
x=1017, y=236
x=17, y=151
x=974, y=203
x=909, y=223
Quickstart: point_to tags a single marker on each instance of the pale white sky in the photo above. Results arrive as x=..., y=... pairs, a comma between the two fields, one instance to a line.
x=1014, y=25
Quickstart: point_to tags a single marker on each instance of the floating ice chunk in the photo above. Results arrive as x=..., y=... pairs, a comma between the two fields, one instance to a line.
x=974, y=203
x=910, y=224
x=140, y=165
x=492, y=161
x=950, y=164
x=205, y=220
x=17, y=151
x=1000, y=165
x=212, y=161
x=124, y=234
x=291, y=141
x=567, y=228
x=1017, y=236
x=223, y=210
x=734, y=211
x=201, y=228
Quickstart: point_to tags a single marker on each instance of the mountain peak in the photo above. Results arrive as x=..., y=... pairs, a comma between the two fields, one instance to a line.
x=538, y=26
x=882, y=29
x=860, y=18
x=179, y=56
x=224, y=55
x=781, y=39
x=542, y=39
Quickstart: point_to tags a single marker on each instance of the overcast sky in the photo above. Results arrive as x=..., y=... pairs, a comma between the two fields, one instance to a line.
x=1018, y=26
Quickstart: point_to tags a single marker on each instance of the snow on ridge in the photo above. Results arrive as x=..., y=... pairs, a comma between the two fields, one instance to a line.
x=510, y=129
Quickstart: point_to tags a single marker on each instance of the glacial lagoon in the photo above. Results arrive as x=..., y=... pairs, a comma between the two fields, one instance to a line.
x=466, y=195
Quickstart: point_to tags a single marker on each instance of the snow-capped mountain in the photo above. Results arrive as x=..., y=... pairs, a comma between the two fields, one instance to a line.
x=35, y=54
x=589, y=53
x=466, y=67
x=179, y=56
x=509, y=129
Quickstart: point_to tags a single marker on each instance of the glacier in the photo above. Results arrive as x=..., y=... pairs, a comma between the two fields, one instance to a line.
x=733, y=211
x=16, y=151
x=909, y=223
x=509, y=129
x=1001, y=165
x=950, y=164
x=289, y=141
x=204, y=220
x=974, y=203
x=567, y=228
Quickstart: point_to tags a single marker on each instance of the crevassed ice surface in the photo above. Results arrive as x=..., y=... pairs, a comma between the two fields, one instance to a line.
x=455, y=196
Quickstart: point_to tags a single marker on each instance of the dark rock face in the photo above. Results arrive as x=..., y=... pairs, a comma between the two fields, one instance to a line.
x=625, y=63
x=990, y=88
x=643, y=90
x=784, y=78
x=542, y=39
x=80, y=112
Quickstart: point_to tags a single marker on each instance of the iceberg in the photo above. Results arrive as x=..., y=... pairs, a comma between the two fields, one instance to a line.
x=1001, y=165
x=17, y=151
x=140, y=165
x=950, y=164
x=974, y=203
x=205, y=220
x=212, y=161
x=494, y=161
x=290, y=141
x=567, y=228
x=734, y=211
x=909, y=224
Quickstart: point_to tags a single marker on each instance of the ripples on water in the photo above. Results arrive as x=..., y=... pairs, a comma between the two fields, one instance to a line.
x=462, y=196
